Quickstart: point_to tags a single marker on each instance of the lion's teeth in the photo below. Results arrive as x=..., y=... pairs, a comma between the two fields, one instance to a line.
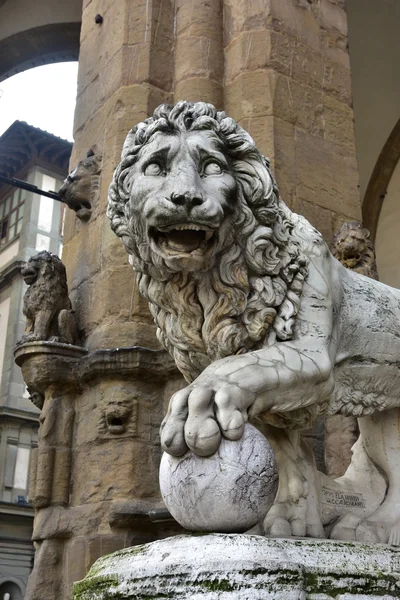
x=209, y=235
x=187, y=227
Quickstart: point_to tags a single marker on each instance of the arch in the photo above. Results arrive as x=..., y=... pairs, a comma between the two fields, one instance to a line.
x=56, y=42
x=379, y=181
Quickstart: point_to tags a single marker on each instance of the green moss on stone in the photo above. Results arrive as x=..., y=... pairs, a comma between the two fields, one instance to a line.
x=216, y=585
x=96, y=587
x=377, y=584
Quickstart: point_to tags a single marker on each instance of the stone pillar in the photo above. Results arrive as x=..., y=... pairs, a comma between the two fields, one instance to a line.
x=287, y=81
x=125, y=70
x=199, y=54
x=94, y=483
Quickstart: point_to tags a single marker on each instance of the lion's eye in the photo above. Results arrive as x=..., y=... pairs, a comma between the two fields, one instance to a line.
x=153, y=169
x=212, y=168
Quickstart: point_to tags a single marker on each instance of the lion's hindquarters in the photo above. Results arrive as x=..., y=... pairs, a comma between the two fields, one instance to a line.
x=67, y=326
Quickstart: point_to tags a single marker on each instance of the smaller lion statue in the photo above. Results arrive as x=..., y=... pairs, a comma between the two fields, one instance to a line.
x=81, y=186
x=353, y=248
x=47, y=307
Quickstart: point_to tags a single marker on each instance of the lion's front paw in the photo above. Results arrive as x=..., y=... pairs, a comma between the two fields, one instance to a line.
x=28, y=337
x=200, y=414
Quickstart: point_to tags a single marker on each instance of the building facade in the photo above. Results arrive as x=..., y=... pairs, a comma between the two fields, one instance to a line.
x=28, y=223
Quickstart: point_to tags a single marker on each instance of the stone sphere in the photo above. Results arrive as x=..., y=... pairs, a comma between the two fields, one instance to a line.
x=230, y=491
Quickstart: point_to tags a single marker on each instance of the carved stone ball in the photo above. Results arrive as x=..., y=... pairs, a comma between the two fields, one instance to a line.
x=230, y=491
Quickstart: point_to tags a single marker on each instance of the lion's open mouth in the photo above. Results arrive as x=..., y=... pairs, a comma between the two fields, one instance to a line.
x=184, y=238
x=29, y=275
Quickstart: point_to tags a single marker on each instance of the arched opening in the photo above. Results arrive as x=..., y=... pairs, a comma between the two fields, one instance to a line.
x=387, y=241
x=39, y=46
x=378, y=185
x=31, y=36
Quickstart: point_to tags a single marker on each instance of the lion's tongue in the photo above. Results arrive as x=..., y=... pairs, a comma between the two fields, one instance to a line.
x=184, y=240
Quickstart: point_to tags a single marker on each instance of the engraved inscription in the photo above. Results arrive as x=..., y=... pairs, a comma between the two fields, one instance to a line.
x=337, y=498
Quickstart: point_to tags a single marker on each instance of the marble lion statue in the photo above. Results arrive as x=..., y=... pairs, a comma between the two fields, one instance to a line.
x=262, y=321
x=47, y=307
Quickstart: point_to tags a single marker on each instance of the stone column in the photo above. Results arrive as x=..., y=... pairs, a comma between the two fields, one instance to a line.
x=94, y=482
x=287, y=81
x=125, y=70
x=199, y=55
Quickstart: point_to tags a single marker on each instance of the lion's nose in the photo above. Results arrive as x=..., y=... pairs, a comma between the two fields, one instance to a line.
x=188, y=198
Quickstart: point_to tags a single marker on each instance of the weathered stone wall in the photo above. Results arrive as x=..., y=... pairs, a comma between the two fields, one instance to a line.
x=280, y=67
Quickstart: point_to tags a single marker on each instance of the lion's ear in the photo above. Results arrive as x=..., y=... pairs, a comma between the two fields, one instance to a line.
x=366, y=233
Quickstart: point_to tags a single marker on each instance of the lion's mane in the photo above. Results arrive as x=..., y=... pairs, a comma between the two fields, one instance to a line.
x=251, y=292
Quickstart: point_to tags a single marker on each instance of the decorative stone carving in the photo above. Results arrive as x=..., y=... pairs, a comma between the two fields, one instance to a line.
x=47, y=308
x=36, y=397
x=49, y=368
x=243, y=475
x=116, y=415
x=81, y=187
x=353, y=248
x=86, y=483
x=260, y=319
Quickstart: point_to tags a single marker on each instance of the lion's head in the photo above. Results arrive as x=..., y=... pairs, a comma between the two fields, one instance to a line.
x=199, y=212
x=44, y=265
x=82, y=184
x=353, y=248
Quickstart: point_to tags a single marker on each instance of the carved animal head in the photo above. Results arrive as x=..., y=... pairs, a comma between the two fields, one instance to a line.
x=353, y=248
x=81, y=185
x=44, y=266
x=197, y=209
x=116, y=415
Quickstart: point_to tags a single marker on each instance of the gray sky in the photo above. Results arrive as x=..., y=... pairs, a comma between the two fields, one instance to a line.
x=44, y=97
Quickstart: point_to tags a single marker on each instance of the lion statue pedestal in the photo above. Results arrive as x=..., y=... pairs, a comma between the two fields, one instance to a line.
x=244, y=567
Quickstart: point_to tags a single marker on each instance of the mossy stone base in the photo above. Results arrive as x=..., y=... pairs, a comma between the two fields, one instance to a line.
x=244, y=567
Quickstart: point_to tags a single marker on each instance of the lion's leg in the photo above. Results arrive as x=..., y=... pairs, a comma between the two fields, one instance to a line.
x=381, y=438
x=66, y=326
x=29, y=334
x=28, y=326
x=296, y=508
x=42, y=324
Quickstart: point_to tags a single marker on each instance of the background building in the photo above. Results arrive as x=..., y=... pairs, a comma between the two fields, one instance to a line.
x=28, y=223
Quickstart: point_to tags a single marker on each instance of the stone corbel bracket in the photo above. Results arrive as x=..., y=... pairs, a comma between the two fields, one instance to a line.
x=49, y=370
x=133, y=361
x=56, y=374
x=51, y=364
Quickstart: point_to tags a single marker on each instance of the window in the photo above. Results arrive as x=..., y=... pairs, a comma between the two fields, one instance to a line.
x=16, y=472
x=11, y=215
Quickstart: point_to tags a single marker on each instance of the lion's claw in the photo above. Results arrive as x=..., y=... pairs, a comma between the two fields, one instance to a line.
x=172, y=437
x=199, y=415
